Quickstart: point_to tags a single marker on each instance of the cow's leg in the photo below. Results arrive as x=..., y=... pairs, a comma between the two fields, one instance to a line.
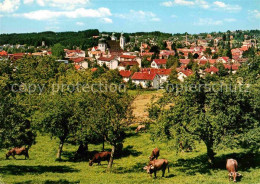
x=229, y=176
x=163, y=172
x=13, y=156
x=155, y=174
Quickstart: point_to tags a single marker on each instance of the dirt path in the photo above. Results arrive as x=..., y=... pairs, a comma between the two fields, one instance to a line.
x=141, y=103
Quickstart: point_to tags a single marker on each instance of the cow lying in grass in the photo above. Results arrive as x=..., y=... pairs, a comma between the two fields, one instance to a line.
x=232, y=169
x=17, y=151
x=98, y=157
x=156, y=165
x=140, y=128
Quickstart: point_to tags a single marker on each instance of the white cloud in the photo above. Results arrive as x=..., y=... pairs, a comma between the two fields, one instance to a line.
x=27, y=1
x=230, y=20
x=77, y=13
x=227, y=7
x=64, y=4
x=9, y=5
x=80, y=23
x=156, y=19
x=107, y=20
x=174, y=16
x=208, y=22
x=200, y=3
x=139, y=16
x=217, y=5
x=183, y=2
x=212, y=22
x=254, y=13
x=41, y=2
x=177, y=2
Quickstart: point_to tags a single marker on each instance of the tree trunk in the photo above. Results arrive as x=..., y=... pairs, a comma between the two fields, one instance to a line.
x=210, y=154
x=103, y=144
x=112, y=157
x=60, y=150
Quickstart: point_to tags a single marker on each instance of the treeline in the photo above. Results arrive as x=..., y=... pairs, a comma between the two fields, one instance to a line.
x=83, y=39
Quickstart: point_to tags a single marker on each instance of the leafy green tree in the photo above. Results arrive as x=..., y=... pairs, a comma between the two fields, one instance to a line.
x=58, y=51
x=218, y=118
x=110, y=116
x=15, y=126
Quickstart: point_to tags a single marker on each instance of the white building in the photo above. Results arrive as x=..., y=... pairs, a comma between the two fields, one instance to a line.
x=145, y=79
x=102, y=46
x=122, y=41
x=110, y=62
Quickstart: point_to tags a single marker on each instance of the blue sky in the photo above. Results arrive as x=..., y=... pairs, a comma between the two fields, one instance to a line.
x=173, y=16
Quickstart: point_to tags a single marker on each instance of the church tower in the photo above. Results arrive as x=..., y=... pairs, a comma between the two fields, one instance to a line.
x=113, y=37
x=102, y=46
x=122, y=41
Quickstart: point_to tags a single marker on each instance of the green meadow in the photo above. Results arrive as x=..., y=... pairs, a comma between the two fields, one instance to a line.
x=185, y=167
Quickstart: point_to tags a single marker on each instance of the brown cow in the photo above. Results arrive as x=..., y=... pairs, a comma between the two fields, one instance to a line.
x=156, y=165
x=98, y=157
x=17, y=151
x=140, y=128
x=232, y=169
x=155, y=154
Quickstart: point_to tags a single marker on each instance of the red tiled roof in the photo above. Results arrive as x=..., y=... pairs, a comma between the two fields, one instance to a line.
x=224, y=58
x=78, y=60
x=203, y=61
x=234, y=66
x=147, y=53
x=143, y=76
x=157, y=71
x=127, y=56
x=212, y=61
x=71, y=51
x=211, y=69
x=130, y=63
x=160, y=61
x=187, y=72
x=184, y=61
x=77, y=67
x=93, y=69
x=3, y=53
x=125, y=73
x=106, y=58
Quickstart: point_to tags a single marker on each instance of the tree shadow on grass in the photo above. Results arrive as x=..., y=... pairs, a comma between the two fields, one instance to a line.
x=192, y=165
x=127, y=151
x=199, y=164
x=246, y=160
x=138, y=167
x=22, y=169
x=50, y=182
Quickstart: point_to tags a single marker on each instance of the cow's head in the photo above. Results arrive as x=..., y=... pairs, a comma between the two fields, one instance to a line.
x=149, y=169
x=7, y=155
x=234, y=175
x=90, y=162
x=151, y=157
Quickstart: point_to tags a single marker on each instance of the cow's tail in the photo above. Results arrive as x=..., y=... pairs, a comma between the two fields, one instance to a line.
x=168, y=168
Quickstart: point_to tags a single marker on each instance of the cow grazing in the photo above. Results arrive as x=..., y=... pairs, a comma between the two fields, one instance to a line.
x=155, y=154
x=232, y=169
x=140, y=128
x=17, y=151
x=98, y=157
x=156, y=165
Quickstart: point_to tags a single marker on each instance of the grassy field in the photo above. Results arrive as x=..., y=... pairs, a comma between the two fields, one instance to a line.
x=185, y=167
